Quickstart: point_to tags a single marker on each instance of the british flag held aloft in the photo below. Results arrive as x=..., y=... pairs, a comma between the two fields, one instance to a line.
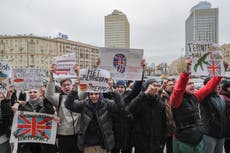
x=33, y=127
x=214, y=67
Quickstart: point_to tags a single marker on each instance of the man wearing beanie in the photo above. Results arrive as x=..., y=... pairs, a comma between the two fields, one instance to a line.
x=225, y=94
x=214, y=116
x=149, y=119
x=122, y=122
x=184, y=101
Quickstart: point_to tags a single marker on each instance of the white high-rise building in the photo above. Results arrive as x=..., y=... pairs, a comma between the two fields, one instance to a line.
x=202, y=24
x=117, y=34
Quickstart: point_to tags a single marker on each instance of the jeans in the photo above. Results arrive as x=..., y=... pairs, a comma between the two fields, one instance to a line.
x=212, y=145
x=5, y=147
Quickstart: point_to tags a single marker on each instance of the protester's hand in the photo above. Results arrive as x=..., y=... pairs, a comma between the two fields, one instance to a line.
x=164, y=84
x=57, y=119
x=111, y=84
x=152, y=90
x=76, y=84
x=15, y=107
x=97, y=63
x=143, y=63
x=52, y=69
x=188, y=63
x=76, y=69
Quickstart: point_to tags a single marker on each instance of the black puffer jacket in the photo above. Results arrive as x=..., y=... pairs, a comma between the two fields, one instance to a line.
x=6, y=117
x=214, y=115
x=88, y=115
x=149, y=122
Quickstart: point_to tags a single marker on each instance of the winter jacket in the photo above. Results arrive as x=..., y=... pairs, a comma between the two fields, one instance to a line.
x=122, y=121
x=226, y=96
x=214, y=115
x=6, y=117
x=149, y=122
x=185, y=103
x=67, y=118
x=88, y=115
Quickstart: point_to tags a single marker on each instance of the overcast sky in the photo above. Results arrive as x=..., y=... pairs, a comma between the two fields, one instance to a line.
x=157, y=26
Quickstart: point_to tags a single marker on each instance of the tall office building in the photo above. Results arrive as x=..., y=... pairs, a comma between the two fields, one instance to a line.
x=202, y=24
x=117, y=33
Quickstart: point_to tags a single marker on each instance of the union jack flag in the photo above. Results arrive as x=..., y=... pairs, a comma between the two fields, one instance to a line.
x=34, y=126
x=119, y=62
x=214, y=68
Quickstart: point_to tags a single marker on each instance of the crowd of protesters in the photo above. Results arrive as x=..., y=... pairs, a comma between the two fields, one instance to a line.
x=134, y=117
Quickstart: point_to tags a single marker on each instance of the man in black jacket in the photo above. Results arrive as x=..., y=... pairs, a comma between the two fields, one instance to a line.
x=95, y=124
x=213, y=111
x=122, y=122
x=149, y=119
x=6, y=116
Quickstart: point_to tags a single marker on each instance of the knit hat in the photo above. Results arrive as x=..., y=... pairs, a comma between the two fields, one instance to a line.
x=148, y=82
x=120, y=83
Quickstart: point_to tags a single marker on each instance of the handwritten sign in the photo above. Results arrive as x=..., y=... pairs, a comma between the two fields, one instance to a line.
x=124, y=64
x=65, y=66
x=207, y=59
x=27, y=78
x=33, y=127
x=94, y=80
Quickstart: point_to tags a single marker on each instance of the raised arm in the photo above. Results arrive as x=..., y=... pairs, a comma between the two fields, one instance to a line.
x=208, y=88
x=50, y=89
x=176, y=97
x=116, y=103
x=73, y=103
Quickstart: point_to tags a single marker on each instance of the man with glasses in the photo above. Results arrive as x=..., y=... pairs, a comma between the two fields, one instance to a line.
x=184, y=101
x=149, y=119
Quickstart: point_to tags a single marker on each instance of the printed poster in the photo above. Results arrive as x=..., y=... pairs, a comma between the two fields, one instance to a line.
x=94, y=80
x=27, y=78
x=207, y=59
x=65, y=66
x=123, y=64
x=33, y=127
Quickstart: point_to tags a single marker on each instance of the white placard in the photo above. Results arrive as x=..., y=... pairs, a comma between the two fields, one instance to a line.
x=64, y=66
x=207, y=59
x=94, y=80
x=124, y=64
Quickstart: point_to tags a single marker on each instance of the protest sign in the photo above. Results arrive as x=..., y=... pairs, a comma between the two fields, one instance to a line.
x=94, y=80
x=33, y=127
x=207, y=59
x=5, y=74
x=64, y=66
x=27, y=78
x=124, y=64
